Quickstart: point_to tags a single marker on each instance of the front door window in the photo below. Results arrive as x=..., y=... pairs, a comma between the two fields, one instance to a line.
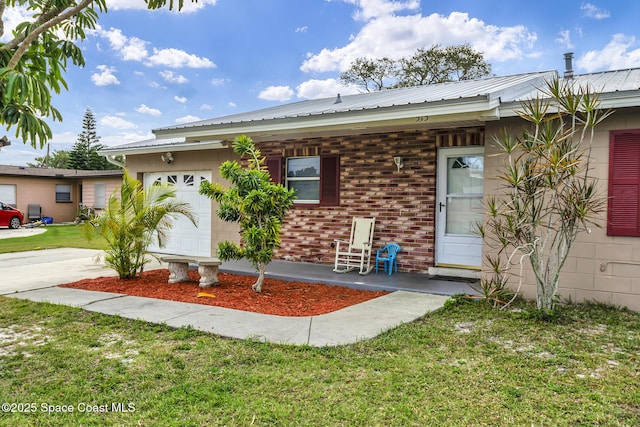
x=464, y=194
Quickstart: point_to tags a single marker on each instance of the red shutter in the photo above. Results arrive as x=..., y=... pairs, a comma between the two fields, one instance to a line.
x=330, y=180
x=623, y=214
x=274, y=166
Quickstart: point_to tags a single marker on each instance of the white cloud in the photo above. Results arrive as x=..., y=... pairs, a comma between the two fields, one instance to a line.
x=124, y=138
x=176, y=58
x=11, y=18
x=188, y=119
x=156, y=85
x=218, y=82
x=135, y=49
x=189, y=6
x=276, y=93
x=144, y=109
x=314, y=89
x=592, y=11
x=232, y=105
x=129, y=48
x=116, y=122
x=565, y=39
x=617, y=54
x=206, y=107
x=302, y=29
x=180, y=99
x=369, y=9
x=399, y=36
x=170, y=77
x=105, y=77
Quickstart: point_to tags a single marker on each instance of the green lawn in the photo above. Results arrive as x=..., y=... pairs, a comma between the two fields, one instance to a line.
x=55, y=236
x=465, y=365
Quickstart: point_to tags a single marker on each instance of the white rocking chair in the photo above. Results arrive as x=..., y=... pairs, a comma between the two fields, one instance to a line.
x=358, y=253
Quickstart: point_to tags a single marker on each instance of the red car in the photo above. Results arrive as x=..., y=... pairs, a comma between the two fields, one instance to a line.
x=10, y=216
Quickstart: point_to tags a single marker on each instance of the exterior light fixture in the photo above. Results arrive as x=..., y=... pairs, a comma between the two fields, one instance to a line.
x=167, y=158
x=399, y=161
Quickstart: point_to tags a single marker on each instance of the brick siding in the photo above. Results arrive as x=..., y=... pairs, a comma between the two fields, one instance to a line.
x=370, y=185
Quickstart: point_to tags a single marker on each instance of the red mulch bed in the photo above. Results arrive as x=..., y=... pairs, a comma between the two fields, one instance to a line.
x=278, y=297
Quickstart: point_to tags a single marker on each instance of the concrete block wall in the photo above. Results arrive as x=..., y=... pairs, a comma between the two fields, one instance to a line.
x=599, y=267
x=370, y=185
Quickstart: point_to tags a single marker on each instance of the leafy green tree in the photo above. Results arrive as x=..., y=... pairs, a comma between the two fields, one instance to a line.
x=84, y=154
x=58, y=159
x=441, y=65
x=426, y=66
x=465, y=63
x=257, y=204
x=369, y=74
x=33, y=62
x=547, y=196
x=131, y=220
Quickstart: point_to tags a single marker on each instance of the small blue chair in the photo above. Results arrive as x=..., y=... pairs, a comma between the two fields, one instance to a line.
x=390, y=261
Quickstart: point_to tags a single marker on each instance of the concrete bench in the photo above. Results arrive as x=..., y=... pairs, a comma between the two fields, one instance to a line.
x=179, y=266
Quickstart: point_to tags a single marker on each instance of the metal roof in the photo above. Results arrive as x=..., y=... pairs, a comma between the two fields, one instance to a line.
x=490, y=88
x=446, y=103
x=609, y=84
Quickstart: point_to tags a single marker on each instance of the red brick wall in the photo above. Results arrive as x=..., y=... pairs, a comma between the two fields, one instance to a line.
x=370, y=185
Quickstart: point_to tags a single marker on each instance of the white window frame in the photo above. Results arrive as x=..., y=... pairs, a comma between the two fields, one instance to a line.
x=59, y=187
x=99, y=195
x=298, y=179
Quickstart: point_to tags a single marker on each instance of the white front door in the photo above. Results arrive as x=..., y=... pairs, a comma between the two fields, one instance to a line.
x=184, y=238
x=459, y=207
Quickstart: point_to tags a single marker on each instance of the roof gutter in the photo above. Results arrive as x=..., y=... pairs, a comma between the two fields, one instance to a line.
x=111, y=152
x=111, y=158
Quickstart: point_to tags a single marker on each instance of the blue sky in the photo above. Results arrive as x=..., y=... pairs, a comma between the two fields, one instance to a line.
x=146, y=70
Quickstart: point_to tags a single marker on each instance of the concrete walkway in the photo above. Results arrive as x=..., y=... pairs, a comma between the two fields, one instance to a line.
x=35, y=275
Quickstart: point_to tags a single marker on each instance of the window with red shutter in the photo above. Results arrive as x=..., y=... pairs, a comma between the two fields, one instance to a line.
x=274, y=166
x=623, y=214
x=330, y=180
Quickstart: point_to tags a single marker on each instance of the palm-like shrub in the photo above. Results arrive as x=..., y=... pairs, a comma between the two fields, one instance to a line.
x=548, y=193
x=255, y=202
x=130, y=220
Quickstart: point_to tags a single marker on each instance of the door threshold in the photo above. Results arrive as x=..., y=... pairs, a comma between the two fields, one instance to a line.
x=467, y=273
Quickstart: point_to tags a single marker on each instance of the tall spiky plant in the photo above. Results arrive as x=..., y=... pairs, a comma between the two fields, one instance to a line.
x=548, y=196
x=130, y=220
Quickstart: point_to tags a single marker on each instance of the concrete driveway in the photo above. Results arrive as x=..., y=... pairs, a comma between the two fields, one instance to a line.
x=22, y=271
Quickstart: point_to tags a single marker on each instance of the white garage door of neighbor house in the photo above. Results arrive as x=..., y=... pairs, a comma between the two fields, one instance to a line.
x=8, y=194
x=184, y=238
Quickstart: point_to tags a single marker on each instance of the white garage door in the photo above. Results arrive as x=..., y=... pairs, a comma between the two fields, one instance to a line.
x=184, y=238
x=8, y=194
